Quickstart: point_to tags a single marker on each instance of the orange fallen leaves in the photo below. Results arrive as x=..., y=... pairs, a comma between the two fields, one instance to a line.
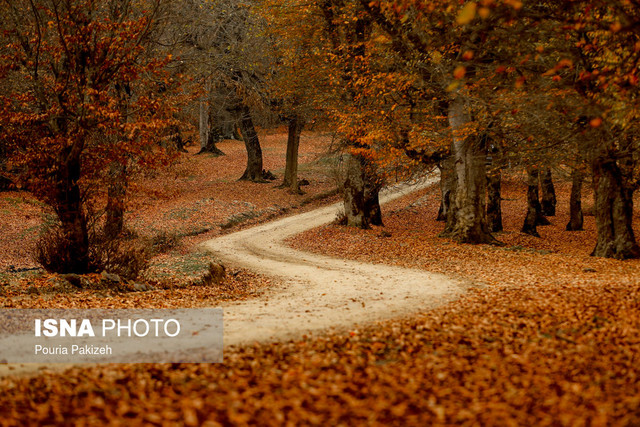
x=550, y=339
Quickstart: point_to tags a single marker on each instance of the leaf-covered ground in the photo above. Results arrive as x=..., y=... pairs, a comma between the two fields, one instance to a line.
x=195, y=199
x=526, y=355
x=550, y=337
x=410, y=239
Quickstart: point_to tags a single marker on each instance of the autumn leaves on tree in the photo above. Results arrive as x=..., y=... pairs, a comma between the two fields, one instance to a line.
x=539, y=85
x=81, y=103
x=89, y=92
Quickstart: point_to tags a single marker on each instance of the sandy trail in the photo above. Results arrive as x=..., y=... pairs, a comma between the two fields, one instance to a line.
x=320, y=292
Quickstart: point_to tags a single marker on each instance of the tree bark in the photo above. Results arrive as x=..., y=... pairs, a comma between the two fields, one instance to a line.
x=613, y=211
x=114, y=223
x=211, y=145
x=494, y=204
x=372, y=187
x=548, y=194
x=469, y=153
x=209, y=135
x=254, y=171
x=534, y=216
x=204, y=123
x=447, y=187
x=533, y=204
x=361, y=194
x=175, y=137
x=290, y=181
x=69, y=208
x=576, y=218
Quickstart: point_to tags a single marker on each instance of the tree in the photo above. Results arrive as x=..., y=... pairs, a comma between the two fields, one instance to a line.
x=534, y=216
x=603, y=44
x=222, y=44
x=548, y=193
x=66, y=59
x=295, y=126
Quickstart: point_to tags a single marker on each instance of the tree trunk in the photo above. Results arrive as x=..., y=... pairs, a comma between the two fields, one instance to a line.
x=613, y=212
x=533, y=204
x=494, y=208
x=354, y=194
x=175, y=137
x=69, y=208
x=204, y=124
x=447, y=187
x=469, y=153
x=293, y=142
x=361, y=194
x=576, y=219
x=253, y=172
x=209, y=134
x=548, y=194
x=211, y=147
x=534, y=216
x=114, y=223
x=372, y=186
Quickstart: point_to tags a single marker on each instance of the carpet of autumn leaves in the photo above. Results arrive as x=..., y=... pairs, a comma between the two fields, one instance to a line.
x=549, y=336
x=524, y=355
x=410, y=239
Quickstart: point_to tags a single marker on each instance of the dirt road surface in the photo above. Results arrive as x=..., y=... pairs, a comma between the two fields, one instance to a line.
x=320, y=292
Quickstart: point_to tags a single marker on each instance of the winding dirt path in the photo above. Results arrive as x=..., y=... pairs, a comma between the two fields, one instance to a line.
x=320, y=292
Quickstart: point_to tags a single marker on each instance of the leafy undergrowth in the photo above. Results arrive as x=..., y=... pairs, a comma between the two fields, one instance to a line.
x=526, y=355
x=46, y=291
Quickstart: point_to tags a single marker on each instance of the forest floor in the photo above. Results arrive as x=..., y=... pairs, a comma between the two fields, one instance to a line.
x=172, y=211
x=549, y=336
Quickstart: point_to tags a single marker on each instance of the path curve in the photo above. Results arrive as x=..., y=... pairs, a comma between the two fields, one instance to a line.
x=320, y=292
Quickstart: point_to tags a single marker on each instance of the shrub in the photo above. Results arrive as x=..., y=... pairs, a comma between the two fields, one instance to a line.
x=164, y=242
x=52, y=250
x=125, y=257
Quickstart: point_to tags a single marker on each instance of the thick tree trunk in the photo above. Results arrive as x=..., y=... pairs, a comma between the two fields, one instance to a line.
x=211, y=145
x=254, y=171
x=548, y=194
x=447, y=187
x=175, y=137
x=576, y=219
x=372, y=186
x=361, y=194
x=469, y=153
x=533, y=204
x=354, y=194
x=74, y=253
x=114, y=223
x=534, y=216
x=613, y=212
x=293, y=143
x=494, y=203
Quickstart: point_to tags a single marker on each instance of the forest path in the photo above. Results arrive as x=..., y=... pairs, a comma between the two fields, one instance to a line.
x=320, y=292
